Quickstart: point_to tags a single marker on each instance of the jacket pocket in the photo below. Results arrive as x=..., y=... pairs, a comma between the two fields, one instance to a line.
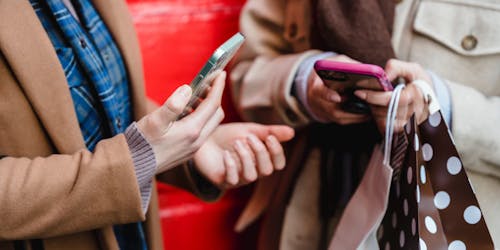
x=468, y=27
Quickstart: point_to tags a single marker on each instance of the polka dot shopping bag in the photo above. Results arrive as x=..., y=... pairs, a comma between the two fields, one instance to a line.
x=415, y=191
x=431, y=202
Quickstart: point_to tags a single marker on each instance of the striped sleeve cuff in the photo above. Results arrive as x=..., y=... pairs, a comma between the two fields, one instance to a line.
x=144, y=163
x=301, y=79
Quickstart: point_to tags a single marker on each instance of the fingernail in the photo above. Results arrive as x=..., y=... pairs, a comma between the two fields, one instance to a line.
x=360, y=94
x=228, y=155
x=223, y=74
x=271, y=139
x=238, y=144
x=185, y=90
x=253, y=139
x=335, y=98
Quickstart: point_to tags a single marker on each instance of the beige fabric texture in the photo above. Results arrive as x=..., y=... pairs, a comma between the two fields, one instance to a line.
x=429, y=32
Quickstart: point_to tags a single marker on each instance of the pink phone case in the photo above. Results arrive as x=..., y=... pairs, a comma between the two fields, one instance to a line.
x=342, y=69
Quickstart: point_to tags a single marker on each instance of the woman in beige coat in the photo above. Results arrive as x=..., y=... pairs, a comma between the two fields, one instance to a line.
x=456, y=42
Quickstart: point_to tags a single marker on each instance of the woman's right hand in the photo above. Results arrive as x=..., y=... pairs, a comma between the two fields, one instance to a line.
x=324, y=101
x=175, y=141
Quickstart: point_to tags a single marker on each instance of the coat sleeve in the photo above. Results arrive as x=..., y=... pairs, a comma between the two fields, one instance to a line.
x=62, y=194
x=475, y=119
x=265, y=68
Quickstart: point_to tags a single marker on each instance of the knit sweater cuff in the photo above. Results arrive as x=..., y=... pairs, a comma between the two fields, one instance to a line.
x=144, y=163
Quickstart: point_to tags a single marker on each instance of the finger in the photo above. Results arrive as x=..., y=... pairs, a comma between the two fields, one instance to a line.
x=322, y=90
x=157, y=123
x=247, y=160
x=195, y=103
x=175, y=104
x=276, y=151
x=395, y=68
x=211, y=124
x=231, y=169
x=343, y=58
x=371, y=83
x=211, y=103
x=372, y=97
x=264, y=163
x=281, y=133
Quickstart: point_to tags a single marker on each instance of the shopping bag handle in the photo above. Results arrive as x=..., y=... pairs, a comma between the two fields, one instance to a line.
x=429, y=95
x=391, y=120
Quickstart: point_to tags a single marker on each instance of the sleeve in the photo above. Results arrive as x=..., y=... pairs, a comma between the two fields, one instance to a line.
x=301, y=80
x=62, y=194
x=263, y=74
x=144, y=163
x=475, y=118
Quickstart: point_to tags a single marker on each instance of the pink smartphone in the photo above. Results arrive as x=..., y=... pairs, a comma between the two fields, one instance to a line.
x=345, y=76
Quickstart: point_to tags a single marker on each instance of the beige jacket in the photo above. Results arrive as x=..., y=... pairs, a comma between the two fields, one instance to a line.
x=456, y=39
x=51, y=187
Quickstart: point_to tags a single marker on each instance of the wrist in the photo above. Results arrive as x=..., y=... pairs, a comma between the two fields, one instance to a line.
x=206, y=189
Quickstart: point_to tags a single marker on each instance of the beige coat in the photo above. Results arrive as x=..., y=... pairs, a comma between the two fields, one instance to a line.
x=71, y=198
x=457, y=39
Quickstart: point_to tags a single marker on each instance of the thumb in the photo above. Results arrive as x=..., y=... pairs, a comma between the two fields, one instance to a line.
x=395, y=68
x=175, y=104
x=281, y=132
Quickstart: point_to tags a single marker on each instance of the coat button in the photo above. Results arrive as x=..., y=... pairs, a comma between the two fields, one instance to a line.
x=83, y=43
x=119, y=123
x=292, y=32
x=469, y=42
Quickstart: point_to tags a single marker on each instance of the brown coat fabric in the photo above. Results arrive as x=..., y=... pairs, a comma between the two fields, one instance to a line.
x=51, y=187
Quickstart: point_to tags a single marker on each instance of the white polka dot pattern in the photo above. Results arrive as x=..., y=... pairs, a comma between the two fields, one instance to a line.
x=435, y=119
x=442, y=200
x=423, y=178
x=417, y=143
x=436, y=193
x=430, y=224
x=454, y=165
x=401, y=238
x=394, y=220
x=405, y=207
x=409, y=175
x=423, y=246
x=457, y=245
x=427, y=152
x=413, y=226
x=472, y=215
x=418, y=194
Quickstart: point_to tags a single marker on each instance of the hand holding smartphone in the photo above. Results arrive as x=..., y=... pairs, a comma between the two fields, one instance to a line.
x=344, y=77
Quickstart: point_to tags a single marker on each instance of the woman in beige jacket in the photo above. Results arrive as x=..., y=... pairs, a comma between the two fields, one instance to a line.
x=455, y=41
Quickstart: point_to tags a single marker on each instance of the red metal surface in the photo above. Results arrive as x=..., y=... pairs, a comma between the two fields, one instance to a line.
x=176, y=38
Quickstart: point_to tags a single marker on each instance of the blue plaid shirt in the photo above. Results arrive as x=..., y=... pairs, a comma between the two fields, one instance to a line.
x=97, y=80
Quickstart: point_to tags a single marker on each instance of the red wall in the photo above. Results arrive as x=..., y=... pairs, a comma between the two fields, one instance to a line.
x=176, y=37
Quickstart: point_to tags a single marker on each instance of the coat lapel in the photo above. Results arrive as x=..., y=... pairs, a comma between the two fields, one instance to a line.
x=33, y=61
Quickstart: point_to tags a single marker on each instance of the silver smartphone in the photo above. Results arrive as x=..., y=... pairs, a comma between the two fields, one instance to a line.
x=216, y=63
